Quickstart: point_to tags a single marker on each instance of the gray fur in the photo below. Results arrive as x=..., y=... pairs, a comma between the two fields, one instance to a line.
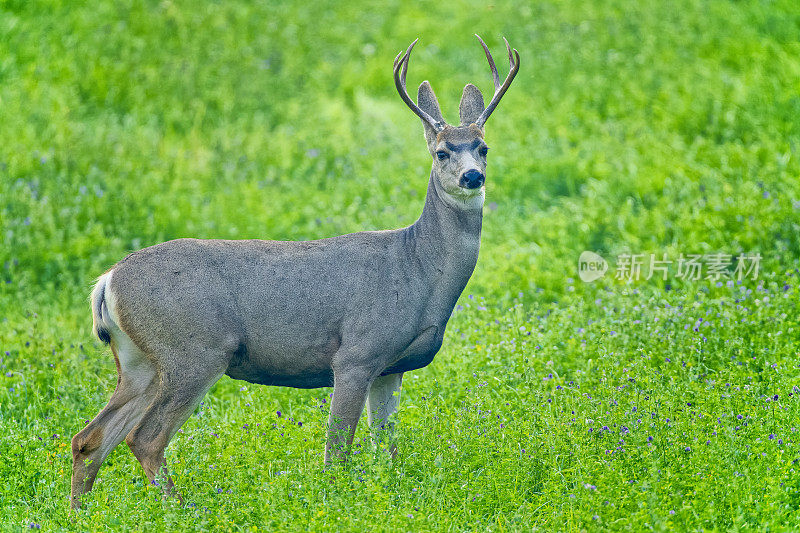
x=353, y=312
x=345, y=311
x=302, y=309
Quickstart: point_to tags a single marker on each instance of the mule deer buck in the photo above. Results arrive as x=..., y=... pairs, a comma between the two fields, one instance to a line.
x=354, y=311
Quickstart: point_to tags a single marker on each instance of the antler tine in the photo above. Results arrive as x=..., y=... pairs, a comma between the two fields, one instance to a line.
x=495, y=77
x=500, y=90
x=405, y=64
x=510, y=57
x=400, y=70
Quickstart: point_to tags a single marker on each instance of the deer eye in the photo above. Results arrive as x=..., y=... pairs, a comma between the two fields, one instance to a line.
x=441, y=155
x=483, y=151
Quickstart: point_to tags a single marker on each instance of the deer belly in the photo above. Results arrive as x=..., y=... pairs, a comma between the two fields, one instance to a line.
x=305, y=381
x=303, y=365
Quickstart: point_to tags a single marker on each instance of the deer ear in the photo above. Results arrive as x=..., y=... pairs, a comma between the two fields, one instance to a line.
x=426, y=100
x=471, y=105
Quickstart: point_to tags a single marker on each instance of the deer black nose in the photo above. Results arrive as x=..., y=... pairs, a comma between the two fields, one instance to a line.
x=472, y=179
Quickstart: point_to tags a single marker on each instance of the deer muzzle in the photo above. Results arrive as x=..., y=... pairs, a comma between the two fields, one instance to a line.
x=472, y=179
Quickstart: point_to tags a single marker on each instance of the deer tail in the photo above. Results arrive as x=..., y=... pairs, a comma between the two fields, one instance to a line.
x=99, y=308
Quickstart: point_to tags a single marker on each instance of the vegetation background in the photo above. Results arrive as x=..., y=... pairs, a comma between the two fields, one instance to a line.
x=633, y=127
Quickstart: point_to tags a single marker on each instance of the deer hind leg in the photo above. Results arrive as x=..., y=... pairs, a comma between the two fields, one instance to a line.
x=382, y=402
x=91, y=446
x=178, y=393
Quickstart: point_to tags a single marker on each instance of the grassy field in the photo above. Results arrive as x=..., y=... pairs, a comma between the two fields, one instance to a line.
x=633, y=127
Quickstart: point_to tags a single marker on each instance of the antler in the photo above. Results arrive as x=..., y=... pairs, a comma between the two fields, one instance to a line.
x=400, y=83
x=499, y=90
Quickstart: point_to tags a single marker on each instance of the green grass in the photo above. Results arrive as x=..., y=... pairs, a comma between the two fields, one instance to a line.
x=632, y=127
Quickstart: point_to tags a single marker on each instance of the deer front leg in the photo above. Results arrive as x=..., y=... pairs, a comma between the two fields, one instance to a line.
x=349, y=394
x=384, y=397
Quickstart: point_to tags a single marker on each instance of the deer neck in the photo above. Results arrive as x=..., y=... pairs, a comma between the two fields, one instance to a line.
x=445, y=240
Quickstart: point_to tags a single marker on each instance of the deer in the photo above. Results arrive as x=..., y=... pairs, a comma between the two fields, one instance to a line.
x=353, y=312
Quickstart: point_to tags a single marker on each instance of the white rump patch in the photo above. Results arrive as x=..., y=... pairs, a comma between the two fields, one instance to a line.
x=134, y=364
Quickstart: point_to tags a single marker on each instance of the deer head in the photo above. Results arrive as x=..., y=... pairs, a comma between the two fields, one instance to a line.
x=459, y=152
